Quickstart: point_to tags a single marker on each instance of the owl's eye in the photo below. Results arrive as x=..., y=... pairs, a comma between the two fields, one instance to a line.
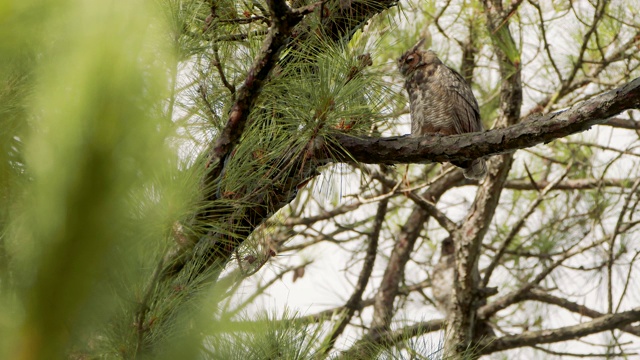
x=409, y=58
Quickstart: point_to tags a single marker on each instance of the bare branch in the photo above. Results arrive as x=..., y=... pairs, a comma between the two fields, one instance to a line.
x=615, y=234
x=218, y=65
x=241, y=36
x=574, y=184
x=622, y=123
x=389, y=285
x=603, y=323
x=391, y=338
x=429, y=207
x=327, y=314
x=542, y=296
x=606, y=355
x=543, y=32
x=518, y=225
x=597, y=16
x=517, y=295
x=354, y=301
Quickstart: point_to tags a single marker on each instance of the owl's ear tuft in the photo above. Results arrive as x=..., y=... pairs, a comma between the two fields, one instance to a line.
x=419, y=44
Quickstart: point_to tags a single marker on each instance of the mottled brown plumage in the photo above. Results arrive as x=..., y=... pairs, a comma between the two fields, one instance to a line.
x=441, y=101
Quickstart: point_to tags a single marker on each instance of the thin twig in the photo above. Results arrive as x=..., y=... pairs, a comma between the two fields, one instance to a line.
x=218, y=65
x=351, y=306
x=612, y=243
x=518, y=225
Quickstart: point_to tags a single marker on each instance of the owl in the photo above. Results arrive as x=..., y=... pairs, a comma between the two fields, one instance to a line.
x=441, y=101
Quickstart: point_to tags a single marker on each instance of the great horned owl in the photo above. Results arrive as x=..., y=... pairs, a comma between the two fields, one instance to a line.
x=441, y=101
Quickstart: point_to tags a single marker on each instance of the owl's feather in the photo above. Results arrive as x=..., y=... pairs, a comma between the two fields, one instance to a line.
x=441, y=101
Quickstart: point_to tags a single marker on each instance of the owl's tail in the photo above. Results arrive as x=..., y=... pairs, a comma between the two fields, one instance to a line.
x=476, y=171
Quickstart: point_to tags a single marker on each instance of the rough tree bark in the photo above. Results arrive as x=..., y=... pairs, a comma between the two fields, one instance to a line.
x=527, y=133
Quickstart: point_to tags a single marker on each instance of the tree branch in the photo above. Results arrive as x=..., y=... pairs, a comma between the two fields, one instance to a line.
x=354, y=301
x=284, y=19
x=390, y=338
x=603, y=323
x=622, y=123
x=433, y=148
x=519, y=294
x=389, y=285
x=542, y=296
x=572, y=184
x=468, y=238
x=283, y=31
x=515, y=228
x=426, y=205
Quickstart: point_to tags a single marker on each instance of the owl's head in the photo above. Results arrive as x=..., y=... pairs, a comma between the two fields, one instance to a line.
x=416, y=58
x=448, y=247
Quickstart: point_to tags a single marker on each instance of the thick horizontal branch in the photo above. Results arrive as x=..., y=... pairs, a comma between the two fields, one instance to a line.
x=434, y=148
x=603, y=323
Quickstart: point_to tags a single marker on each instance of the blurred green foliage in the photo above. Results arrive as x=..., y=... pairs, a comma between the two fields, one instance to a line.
x=88, y=176
x=95, y=182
